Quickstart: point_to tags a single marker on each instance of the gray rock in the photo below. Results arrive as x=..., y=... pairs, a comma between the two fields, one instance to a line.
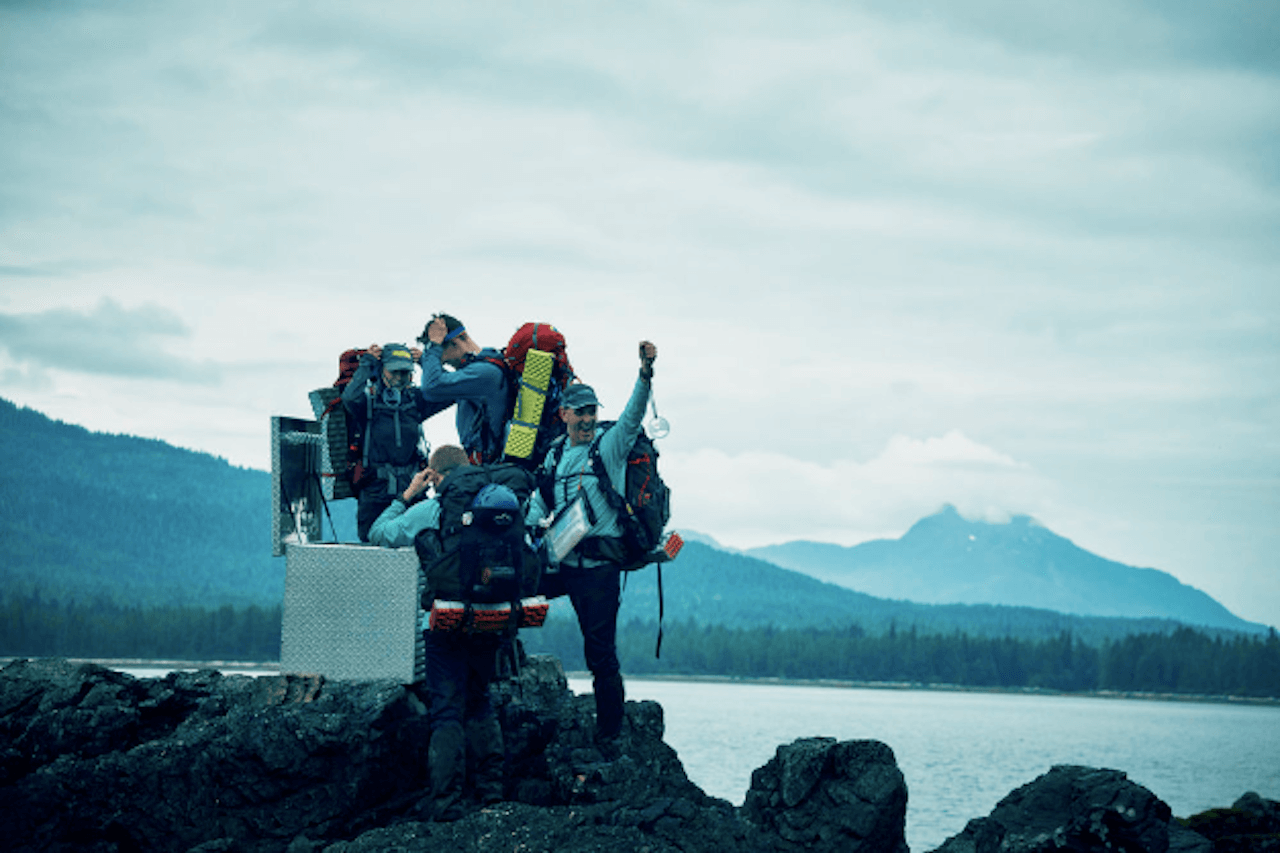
x=1251, y=824
x=93, y=759
x=1265, y=812
x=1070, y=808
x=817, y=794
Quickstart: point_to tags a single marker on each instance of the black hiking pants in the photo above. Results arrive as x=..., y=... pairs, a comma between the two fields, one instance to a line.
x=595, y=594
x=460, y=668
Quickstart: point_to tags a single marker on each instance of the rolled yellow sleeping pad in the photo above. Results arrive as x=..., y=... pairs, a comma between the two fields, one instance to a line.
x=530, y=400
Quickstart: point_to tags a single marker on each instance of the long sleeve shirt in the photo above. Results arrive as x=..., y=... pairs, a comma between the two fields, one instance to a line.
x=392, y=435
x=479, y=388
x=400, y=524
x=574, y=475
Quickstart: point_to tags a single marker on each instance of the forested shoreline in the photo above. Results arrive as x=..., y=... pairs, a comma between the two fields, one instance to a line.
x=31, y=626
x=1184, y=661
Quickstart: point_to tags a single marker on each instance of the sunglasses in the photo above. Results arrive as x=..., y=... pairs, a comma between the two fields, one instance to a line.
x=580, y=411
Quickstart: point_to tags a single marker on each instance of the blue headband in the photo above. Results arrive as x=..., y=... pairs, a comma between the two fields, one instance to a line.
x=451, y=335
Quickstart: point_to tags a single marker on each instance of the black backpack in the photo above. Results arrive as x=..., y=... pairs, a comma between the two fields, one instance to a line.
x=643, y=509
x=479, y=554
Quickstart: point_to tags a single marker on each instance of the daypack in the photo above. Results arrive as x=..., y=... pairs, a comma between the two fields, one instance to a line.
x=479, y=555
x=643, y=509
x=536, y=363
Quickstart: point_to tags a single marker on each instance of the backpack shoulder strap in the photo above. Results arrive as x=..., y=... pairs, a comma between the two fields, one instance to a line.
x=491, y=444
x=547, y=472
x=597, y=466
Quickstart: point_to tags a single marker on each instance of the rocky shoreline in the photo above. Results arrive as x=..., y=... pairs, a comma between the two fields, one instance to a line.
x=94, y=759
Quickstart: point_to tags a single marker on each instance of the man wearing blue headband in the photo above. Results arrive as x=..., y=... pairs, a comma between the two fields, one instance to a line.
x=475, y=383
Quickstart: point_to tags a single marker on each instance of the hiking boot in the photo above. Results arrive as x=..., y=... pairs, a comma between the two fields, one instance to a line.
x=610, y=701
x=449, y=810
x=447, y=757
x=610, y=747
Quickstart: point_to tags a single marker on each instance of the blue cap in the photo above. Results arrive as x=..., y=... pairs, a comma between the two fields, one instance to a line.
x=577, y=395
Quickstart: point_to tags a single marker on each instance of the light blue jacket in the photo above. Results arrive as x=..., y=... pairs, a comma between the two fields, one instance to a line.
x=399, y=524
x=574, y=474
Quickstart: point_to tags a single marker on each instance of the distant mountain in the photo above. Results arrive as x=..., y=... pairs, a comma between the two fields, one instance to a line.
x=707, y=586
x=704, y=539
x=945, y=559
x=93, y=517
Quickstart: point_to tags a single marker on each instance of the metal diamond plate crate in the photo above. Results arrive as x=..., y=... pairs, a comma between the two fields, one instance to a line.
x=352, y=612
x=296, y=485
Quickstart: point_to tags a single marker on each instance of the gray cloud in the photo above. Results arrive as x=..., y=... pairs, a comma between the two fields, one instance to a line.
x=108, y=339
x=1046, y=227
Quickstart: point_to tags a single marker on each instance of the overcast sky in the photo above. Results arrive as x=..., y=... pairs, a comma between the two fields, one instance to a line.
x=1015, y=257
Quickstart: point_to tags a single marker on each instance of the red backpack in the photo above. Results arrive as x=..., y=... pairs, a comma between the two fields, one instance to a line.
x=539, y=336
x=545, y=338
x=344, y=442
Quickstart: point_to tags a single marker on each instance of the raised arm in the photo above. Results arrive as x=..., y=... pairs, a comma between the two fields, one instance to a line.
x=616, y=443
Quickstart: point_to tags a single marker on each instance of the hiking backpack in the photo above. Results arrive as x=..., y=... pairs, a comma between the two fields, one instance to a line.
x=643, y=509
x=479, y=554
x=343, y=439
x=536, y=363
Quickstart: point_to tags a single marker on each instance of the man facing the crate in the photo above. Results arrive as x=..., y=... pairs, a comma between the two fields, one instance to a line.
x=477, y=384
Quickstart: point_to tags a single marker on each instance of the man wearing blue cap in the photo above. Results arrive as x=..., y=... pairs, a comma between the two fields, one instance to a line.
x=590, y=573
x=476, y=383
x=388, y=412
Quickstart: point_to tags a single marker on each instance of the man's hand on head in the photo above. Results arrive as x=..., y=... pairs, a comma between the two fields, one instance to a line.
x=436, y=330
x=421, y=480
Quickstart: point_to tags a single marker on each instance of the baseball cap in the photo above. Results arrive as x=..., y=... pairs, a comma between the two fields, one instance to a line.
x=396, y=357
x=579, y=395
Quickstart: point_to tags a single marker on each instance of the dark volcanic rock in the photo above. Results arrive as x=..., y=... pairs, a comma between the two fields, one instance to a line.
x=96, y=760
x=1070, y=808
x=816, y=794
x=1251, y=825
x=95, y=756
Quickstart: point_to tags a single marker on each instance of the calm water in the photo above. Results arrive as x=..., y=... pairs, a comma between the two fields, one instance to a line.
x=961, y=753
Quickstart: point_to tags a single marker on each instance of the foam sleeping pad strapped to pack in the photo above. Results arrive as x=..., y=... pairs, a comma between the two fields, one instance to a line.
x=532, y=397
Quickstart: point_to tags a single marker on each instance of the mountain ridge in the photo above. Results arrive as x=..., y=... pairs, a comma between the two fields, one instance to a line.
x=947, y=559
x=148, y=524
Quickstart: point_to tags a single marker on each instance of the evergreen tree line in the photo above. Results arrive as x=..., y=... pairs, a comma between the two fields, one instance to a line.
x=1187, y=661
x=130, y=520
x=35, y=627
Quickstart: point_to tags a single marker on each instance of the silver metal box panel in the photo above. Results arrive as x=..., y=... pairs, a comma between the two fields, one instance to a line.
x=352, y=612
x=296, y=482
